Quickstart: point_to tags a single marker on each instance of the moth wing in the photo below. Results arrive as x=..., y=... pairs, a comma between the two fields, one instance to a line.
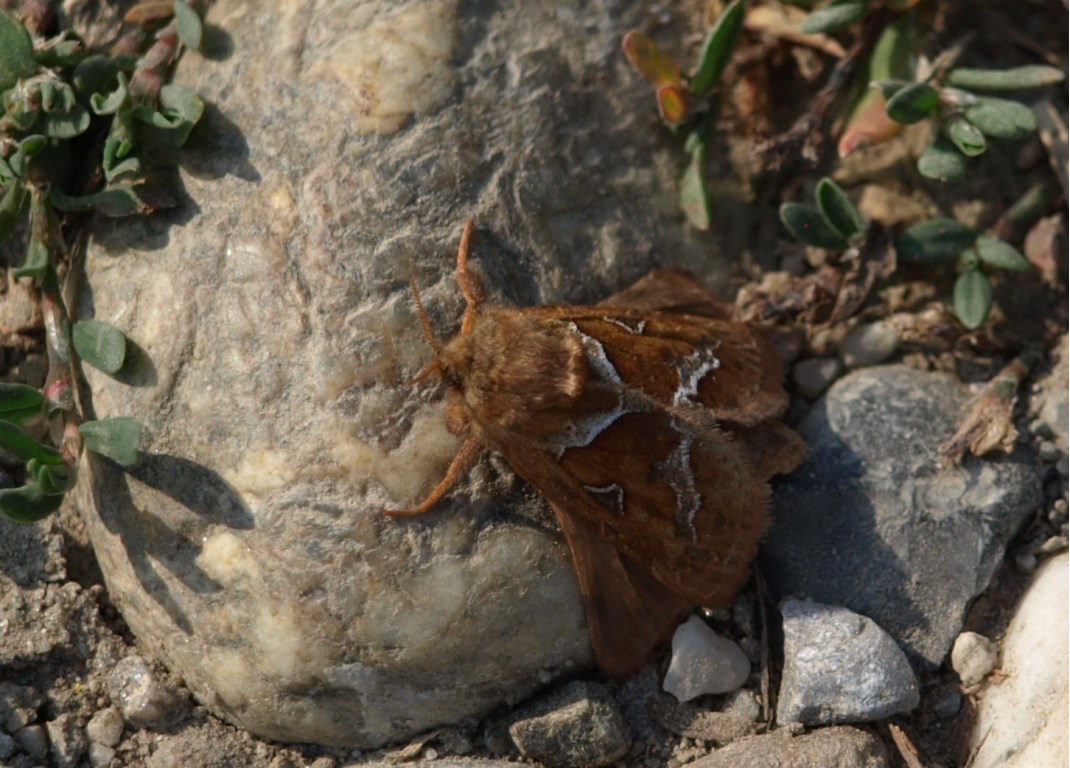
x=628, y=611
x=669, y=290
x=682, y=360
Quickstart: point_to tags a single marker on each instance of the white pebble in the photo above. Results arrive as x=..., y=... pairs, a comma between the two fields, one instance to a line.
x=973, y=656
x=703, y=662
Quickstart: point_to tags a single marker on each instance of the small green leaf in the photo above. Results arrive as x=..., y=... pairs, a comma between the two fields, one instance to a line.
x=118, y=200
x=838, y=209
x=942, y=161
x=115, y=438
x=29, y=503
x=36, y=262
x=966, y=136
x=1001, y=119
x=100, y=344
x=17, y=397
x=972, y=298
x=913, y=103
x=11, y=207
x=1004, y=79
x=834, y=16
x=189, y=25
x=51, y=478
x=934, y=241
x=16, y=442
x=997, y=253
x=110, y=104
x=185, y=104
x=717, y=49
x=62, y=51
x=694, y=194
x=98, y=73
x=16, y=52
x=65, y=125
x=806, y=224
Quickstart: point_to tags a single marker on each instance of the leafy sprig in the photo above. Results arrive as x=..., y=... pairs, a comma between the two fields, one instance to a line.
x=53, y=93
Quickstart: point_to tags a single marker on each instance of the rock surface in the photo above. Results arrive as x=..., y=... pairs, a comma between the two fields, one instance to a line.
x=873, y=521
x=973, y=656
x=274, y=335
x=1021, y=717
x=840, y=667
x=839, y=747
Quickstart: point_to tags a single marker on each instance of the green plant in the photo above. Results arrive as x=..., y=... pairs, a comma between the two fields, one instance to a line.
x=835, y=223
x=966, y=121
x=59, y=101
x=686, y=103
x=940, y=241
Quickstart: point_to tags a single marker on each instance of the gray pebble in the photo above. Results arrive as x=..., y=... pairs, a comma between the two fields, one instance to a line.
x=106, y=727
x=840, y=667
x=67, y=739
x=947, y=702
x=100, y=756
x=7, y=746
x=814, y=375
x=577, y=725
x=869, y=344
x=33, y=740
x=1049, y=451
x=145, y=701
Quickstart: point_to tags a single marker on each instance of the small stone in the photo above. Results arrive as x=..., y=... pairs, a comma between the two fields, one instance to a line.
x=1048, y=451
x=100, y=756
x=840, y=746
x=744, y=704
x=18, y=706
x=973, y=656
x=578, y=725
x=7, y=746
x=106, y=727
x=840, y=667
x=814, y=375
x=145, y=702
x=33, y=740
x=1026, y=563
x=703, y=662
x=947, y=702
x=869, y=344
x=67, y=739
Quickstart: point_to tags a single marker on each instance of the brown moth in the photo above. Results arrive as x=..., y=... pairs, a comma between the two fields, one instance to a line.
x=646, y=421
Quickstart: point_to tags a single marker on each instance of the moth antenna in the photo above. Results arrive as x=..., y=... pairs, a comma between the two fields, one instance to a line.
x=425, y=323
x=471, y=288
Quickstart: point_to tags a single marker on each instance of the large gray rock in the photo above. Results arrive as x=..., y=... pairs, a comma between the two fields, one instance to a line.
x=875, y=522
x=275, y=337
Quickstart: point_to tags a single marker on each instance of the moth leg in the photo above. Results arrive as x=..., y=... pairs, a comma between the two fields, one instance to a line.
x=462, y=462
x=471, y=288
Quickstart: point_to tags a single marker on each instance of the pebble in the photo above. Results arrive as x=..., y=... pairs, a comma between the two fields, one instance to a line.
x=814, y=375
x=106, y=727
x=869, y=344
x=33, y=740
x=67, y=739
x=145, y=702
x=1049, y=451
x=840, y=667
x=100, y=756
x=947, y=702
x=577, y=725
x=703, y=662
x=7, y=746
x=18, y=706
x=973, y=656
x=840, y=746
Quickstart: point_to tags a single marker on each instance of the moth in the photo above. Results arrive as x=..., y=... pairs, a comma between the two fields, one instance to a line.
x=647, y=421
